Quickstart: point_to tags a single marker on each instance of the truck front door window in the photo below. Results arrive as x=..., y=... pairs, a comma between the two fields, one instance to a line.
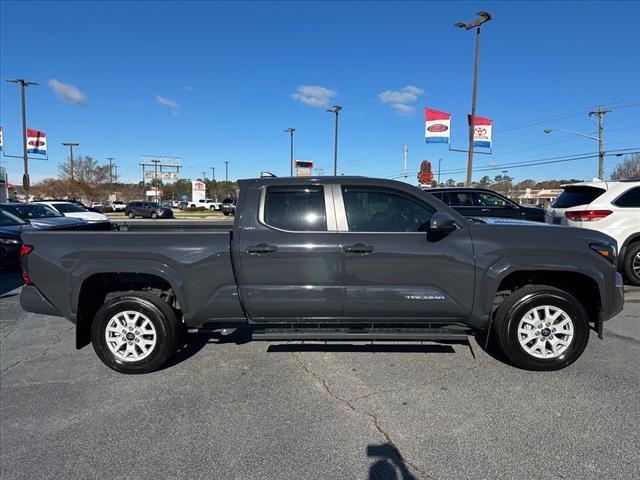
x=296, y=209
x=381, y=210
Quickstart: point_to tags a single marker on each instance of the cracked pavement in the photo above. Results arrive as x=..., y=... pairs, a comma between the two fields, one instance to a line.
x=315, y=411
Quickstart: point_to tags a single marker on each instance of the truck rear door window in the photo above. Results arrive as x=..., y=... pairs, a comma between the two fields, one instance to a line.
x=297, y=209
x=384, y=210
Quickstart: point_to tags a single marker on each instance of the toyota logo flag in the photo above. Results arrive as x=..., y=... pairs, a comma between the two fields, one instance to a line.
x=481, y=131
x=36, y=142
x=437, y=126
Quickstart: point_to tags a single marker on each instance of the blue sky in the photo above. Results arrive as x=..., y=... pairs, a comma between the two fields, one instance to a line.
x=215, y=81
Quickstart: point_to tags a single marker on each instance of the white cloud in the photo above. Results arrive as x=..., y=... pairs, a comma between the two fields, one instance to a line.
x=169, y=103
x=67, y=92
x=314, y=95
x=402, y=100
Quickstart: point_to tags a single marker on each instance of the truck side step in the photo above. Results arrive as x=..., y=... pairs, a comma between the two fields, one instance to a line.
x=407, y=334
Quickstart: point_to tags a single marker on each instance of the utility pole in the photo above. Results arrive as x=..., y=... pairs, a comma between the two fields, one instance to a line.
x=25, y=177
x=439, y=162
x=291, y=130
x=336, y=109
x=116, y=175
x=71, y=145
x=204, y=176
x=213, y=173
x=226, y=171
x=484, y=17
x=600, y=112
x=110, y=174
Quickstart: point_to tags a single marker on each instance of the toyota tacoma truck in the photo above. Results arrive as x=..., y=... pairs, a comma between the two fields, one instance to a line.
x=329, y=258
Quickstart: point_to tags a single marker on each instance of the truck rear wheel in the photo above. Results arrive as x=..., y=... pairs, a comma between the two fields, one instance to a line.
x=540, y=327
x=135, y=333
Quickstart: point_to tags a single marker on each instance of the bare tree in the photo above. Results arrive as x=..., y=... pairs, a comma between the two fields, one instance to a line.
x=628, y=168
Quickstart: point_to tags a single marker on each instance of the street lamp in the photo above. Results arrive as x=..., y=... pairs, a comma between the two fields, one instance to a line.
x=483, y=18
x=25, y=177
x=71, y=145
x=591, y=137
x=226, y=171
x=291, y=130
x=336, y=109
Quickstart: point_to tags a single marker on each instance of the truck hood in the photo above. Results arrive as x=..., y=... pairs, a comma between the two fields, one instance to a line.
x=549, y=235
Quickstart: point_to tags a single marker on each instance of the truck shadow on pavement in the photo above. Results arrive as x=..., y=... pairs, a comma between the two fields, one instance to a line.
x=388, y=463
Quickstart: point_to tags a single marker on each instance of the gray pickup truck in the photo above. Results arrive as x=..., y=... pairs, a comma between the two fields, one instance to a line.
x=333, y=258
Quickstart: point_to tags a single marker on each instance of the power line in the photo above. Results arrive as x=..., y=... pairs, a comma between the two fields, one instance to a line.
x=544, y=161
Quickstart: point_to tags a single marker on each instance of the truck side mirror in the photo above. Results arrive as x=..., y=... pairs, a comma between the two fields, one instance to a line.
x=442, y=222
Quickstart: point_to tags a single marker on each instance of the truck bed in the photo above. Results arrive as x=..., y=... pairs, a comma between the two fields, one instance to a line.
x=197, y=262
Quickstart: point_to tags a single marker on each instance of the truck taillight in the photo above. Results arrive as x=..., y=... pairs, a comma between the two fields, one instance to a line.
x=24, y=251
x=587, y=215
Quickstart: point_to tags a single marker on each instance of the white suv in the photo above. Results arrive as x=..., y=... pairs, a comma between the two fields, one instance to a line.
x=609, y=207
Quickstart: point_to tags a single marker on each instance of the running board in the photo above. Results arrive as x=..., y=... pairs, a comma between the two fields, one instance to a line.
x=362, y=334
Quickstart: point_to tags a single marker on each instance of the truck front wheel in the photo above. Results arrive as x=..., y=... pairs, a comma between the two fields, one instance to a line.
x=135, y=333
x=540, y=327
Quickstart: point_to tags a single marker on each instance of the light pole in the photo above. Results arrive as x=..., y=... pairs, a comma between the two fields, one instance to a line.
x=484, y=17
x=226, y=171
x=439, y=162
x=71, y=145
x=213, y=173
x=204, y=176
x=116, y=175
x=25, y=177
x=598, y=139
x=110, y=174
x=336, y=109
x=291, y=130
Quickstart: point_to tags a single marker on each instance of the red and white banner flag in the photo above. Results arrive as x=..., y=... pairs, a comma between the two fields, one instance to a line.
x=481, y=131
x=1, y=139
x=36, y=142
x=437, y=126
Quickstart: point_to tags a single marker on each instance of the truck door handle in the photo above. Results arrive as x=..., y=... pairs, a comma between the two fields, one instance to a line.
x=358, y=248
x=485, y=210
x=262, y=248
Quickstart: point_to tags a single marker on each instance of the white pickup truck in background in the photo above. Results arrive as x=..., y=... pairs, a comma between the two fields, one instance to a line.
x=207, y=203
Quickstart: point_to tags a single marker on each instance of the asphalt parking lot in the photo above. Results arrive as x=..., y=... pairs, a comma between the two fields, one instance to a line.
x=258, y=410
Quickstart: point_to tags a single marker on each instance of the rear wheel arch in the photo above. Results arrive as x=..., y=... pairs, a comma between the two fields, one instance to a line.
x=97, y=288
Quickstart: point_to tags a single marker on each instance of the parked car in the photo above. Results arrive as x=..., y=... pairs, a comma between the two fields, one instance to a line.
x=329, y=258
x=11, y=228
x=175, y=203
x=229, y=206
x=609, y=207
x=147, y=209
x=183, y=205
x=480, y=202
x=91, y=209
x=96, y=204
x=207, y=203
x=116, y=205
x=73, y=210
x=43, y=216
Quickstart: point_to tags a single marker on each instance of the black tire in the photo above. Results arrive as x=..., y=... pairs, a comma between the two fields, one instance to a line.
x=131, y=215
x=516, y=306
x=154, y=215
x=226, y=214
x=632, y=253
x=161, y=316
